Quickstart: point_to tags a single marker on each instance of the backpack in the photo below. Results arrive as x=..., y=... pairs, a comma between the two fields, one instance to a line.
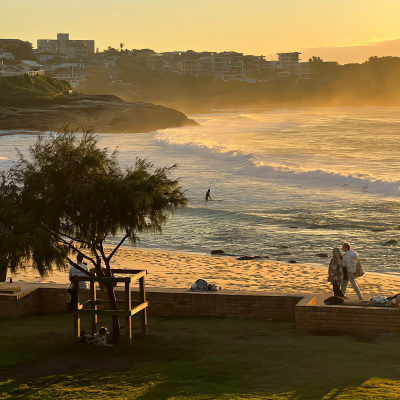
x=72, y=298
x=199, y=286
x=334, y=300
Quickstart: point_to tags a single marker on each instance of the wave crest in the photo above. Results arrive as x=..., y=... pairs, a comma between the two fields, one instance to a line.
x=254, y=165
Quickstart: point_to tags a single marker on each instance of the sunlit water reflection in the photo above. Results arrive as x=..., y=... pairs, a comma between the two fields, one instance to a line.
x=305, y=179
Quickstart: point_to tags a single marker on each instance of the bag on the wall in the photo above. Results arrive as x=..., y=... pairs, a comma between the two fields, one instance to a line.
x=334, y=300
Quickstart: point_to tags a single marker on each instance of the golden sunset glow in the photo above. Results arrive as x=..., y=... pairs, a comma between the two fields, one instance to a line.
x=210, y=186
x=252, y=27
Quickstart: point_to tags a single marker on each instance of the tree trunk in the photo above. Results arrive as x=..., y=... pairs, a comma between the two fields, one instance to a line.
x=3, y=274
x=115, y=318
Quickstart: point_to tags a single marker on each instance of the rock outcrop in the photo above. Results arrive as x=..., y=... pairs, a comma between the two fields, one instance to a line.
x=43, y=104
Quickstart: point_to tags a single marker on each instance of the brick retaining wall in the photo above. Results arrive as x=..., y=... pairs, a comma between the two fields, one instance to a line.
x=184, y=303
x=13, y=306
x=313, y=315
x=48, y=298
x=306, y=310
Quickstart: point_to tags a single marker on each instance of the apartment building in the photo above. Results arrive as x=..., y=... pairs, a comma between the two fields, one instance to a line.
x=62, y=43
x=155, y=62
x=77, y=50
x=290, y=63
x=226, y=66
x=190, y=67
x=286, y=60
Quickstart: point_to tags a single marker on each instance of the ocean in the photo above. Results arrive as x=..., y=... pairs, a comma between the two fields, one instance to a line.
x=293, y=183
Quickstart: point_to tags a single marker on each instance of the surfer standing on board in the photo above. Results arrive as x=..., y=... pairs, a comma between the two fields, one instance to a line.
x=208, y=197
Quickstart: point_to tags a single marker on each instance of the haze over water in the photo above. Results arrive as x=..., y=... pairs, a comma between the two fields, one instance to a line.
x=296, y=181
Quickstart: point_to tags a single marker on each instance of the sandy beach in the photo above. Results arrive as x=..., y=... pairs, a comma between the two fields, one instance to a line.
x=180, y=270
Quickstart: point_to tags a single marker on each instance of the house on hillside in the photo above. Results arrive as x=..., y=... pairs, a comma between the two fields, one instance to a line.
x=111, y=61
x=6, y=55
x=47, y=56
x=20, y=70
x=11, y=70
x=73, y=75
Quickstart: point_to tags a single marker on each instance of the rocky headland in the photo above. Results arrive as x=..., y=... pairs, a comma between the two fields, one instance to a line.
x=44, y=104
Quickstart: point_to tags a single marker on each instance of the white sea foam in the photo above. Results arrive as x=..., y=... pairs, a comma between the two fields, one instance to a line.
x=257, y=166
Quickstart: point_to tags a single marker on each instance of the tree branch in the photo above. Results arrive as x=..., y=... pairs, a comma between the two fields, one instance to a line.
x=78, y=251
x=119, y=245
x=106, y=262
x=78, y=267
x=72, y=238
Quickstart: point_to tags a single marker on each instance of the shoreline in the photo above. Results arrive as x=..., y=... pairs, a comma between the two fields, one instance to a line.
x=170, y=269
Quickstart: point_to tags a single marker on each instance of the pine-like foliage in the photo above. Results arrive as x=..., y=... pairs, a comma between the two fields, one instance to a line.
x=67, y=193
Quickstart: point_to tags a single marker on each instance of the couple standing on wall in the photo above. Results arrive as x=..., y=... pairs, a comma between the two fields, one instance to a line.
x=344, y=269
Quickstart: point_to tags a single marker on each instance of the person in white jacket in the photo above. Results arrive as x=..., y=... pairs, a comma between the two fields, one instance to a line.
x=74, y=271
x=349, y=262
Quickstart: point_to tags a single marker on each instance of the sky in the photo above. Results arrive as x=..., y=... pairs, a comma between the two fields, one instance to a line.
x=336, y=30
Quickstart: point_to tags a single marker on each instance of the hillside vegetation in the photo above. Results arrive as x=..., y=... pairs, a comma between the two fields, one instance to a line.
x=40, y=104
x=14, y=89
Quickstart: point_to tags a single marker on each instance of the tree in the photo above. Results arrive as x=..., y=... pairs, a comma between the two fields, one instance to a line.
x=21, y=50
x=111, y=51
x=315, y=59
x=71, y=194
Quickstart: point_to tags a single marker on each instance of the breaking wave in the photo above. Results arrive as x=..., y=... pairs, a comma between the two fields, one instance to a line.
x=258, y=166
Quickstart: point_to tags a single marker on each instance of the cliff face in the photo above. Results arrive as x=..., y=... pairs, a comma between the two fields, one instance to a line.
x=42, y=104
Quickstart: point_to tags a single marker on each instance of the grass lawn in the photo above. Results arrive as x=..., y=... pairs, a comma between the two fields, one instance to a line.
x=199, y=358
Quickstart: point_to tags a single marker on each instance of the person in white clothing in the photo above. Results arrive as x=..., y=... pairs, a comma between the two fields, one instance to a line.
x=349, y=262
x=76, y=272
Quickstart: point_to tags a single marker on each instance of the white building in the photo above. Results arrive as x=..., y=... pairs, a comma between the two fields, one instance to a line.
x=47, y=56
x=19, y=70
x=290, y=63
x=73, y=75
x=50, y=68
x=7, y=55
x=286, y=60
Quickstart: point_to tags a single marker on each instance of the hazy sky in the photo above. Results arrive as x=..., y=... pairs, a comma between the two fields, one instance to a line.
x=340, y=30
